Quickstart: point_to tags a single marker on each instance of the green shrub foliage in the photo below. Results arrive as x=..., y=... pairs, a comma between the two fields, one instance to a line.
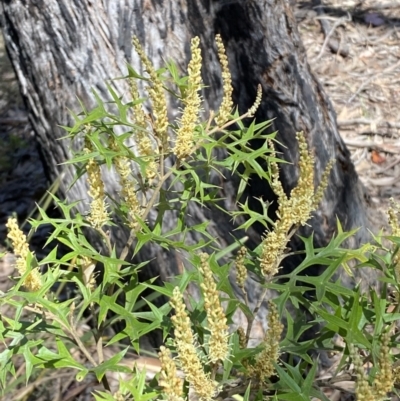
x=166, y=166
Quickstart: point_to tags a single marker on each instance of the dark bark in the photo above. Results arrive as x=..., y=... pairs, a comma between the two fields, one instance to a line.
x=61, y=49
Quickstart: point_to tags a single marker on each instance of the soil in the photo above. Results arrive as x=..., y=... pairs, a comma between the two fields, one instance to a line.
x=358, y=62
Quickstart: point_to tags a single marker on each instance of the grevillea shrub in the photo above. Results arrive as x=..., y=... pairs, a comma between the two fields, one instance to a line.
x=206, y=354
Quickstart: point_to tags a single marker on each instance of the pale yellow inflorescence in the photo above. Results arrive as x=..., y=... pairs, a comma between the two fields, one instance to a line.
x=216, y=319
x=276, y=183
x=138, y=113
x=363, y=389
x=293, y=210
x=142, y=137
x=87, y=267
x=187, y=124
x=128, y=193
x=190, y=361
x=393, y=219
x=384, y=379
x=273, y=246
x=300, y=205
x=241, y=271
x=118, y=396
x=252, y=110
x=170, y=382
x=33, y=281
x=157, y=96
x=98, y=214
x=396, y=375
x=264, y=364
x=319, y=193
x=394, y=225
x=227, y=102
x=242, y=338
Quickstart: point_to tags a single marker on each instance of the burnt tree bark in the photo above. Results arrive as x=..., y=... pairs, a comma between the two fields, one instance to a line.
x=61, y=49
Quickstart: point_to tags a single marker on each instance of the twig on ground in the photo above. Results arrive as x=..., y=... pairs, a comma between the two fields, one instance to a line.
x=382, y=181
x=334, y=45
x=372, y=78
x=393, y=147
x=364, y=121
x=389, y=166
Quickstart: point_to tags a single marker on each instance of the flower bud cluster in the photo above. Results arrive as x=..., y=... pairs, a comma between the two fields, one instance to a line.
x=128, y=192
x=394, y=225
x=157, y=96
x=33, y=282
x=227, y=103
x=264, y=364
x=252, y=110
x=187, y=354
x=146, y=149
x=187, y=126
x=384, y=379
x=363, y=389
x=242, y=338
x=293, y=210
x=216, y=319
x=98, y=214
x=170, y=382
x=241, y=271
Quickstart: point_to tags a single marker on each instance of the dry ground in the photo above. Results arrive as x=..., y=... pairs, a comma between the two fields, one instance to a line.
x=362, y=78
x=356, y=56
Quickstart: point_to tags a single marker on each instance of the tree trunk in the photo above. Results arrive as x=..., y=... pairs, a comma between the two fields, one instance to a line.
x=61, y=49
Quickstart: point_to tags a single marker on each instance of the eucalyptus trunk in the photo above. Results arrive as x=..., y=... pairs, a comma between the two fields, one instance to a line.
x=62, y=49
